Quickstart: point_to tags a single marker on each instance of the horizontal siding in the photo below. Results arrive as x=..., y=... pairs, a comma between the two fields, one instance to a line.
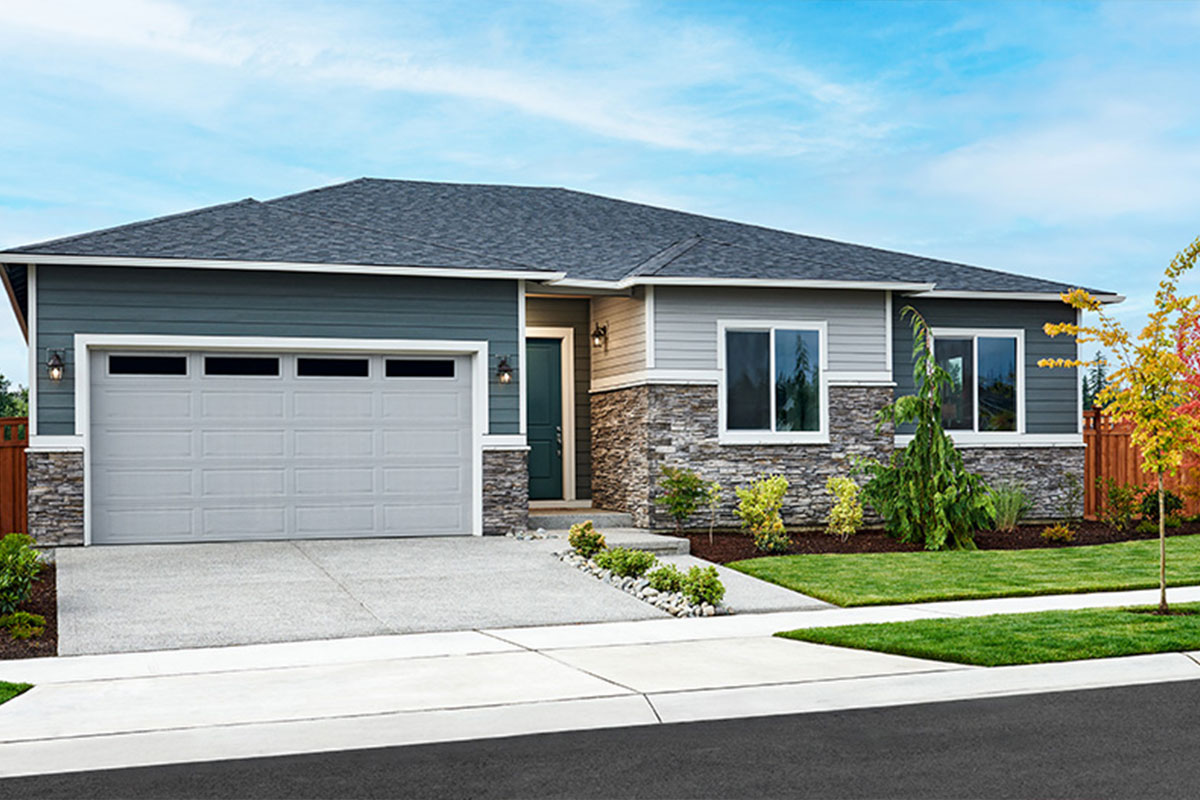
x=625, y=350
x=685, y=322
x=178, y=302
x=1051, y=399
x=572, y=313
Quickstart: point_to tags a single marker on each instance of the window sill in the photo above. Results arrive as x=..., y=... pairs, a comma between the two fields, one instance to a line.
x=764, y=438
x=972, y=439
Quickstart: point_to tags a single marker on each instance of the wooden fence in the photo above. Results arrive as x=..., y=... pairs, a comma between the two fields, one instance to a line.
x=14, y=438
x=1111, y=454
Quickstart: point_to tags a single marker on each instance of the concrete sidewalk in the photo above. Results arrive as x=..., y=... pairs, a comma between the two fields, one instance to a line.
x=108, y=711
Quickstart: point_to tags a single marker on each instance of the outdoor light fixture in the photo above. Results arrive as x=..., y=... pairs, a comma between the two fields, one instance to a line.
x=55, y=366
x=504, y=370
x=599, y=335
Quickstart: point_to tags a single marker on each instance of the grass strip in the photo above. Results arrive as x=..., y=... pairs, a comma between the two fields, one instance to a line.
x=864, y=579
x=1035, y=638
x=10, y=690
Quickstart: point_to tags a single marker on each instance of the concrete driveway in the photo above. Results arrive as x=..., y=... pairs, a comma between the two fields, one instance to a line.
x=157, y=597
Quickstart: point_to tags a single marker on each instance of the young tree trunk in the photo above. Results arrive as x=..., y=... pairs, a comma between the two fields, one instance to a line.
x=1162, y=550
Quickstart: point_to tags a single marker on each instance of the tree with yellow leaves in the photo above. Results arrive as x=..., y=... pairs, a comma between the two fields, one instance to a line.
x=1150, y=384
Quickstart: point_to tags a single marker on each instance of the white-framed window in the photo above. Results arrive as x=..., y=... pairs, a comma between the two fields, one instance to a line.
x=772, y=387
x=987, y=370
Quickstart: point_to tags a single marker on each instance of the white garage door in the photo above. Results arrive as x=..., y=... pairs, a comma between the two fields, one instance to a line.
x=219, y=446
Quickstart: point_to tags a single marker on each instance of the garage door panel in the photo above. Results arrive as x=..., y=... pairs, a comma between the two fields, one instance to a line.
x=166, y=483
x=238, y=523
x=423, y=480
x=134, y=405
x=243, y=406
x=219, y=458
x=335, y=481
x=335, y=444
x=261, y=482
x=333, y=405
x=242, y=444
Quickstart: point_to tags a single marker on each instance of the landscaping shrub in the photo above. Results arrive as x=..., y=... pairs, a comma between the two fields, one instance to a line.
x=683, y=492
x=1147, y=526
x=625, y=563
x=23, y=625
x=1070, y=499
x=19, y=565
x=1172, y=522
x=666, y=578
x=585, y=539
x=1172, y=504
x=925, y=493
x=1120, y=503
x=846, y=515
x=1010, y=502
x=702, y=585
x=759, y=507
x=1058, y=532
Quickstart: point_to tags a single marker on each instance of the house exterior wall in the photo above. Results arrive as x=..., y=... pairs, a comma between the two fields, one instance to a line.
x=1042, y=471
x=639, y=430
x=505, y=491
x=1051, y=395
x=573, y=313
x=120, y=300
x=685, y=322
x=55, y=482
x=624, y=350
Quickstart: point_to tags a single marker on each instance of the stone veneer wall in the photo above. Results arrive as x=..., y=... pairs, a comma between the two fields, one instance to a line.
x=55, y=482
x=1040, y=469
x=620, y=452
x=637, y=431
x=505, y=492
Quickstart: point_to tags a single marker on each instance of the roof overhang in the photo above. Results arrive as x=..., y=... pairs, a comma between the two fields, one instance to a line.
x=1055, y=297
x=14, y=301
x=280, y=266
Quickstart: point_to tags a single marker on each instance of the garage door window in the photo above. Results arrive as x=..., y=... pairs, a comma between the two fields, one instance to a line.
x=242, y=366
x=147, y=365
x=420, y=368
x=332, y=367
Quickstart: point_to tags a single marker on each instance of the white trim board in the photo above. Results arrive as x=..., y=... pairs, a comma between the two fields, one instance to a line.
x=711, y=377
x=967, y=439
x=478, y=350
x=34, y=347
x=1056, y=297
x=522, y=388
x=566, y=337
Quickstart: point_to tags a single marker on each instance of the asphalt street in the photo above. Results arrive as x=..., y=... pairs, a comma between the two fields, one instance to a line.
x=1125, y=742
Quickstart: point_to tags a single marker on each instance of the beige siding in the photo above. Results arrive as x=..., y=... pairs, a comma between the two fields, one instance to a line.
x=685, y=322
x=543, y=312
x=625, y=351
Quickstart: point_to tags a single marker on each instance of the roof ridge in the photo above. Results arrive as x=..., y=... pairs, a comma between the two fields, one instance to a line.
x=132, y=225
x=357, y=226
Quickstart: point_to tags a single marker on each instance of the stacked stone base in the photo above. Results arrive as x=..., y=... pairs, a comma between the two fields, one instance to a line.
x=55, y=495
x=505, y=492
x=639, y=430
x=1042, y=471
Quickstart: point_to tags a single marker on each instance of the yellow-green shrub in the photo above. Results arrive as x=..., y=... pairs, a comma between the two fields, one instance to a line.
x=759, y=507
x=847, y=513
x=586, y=540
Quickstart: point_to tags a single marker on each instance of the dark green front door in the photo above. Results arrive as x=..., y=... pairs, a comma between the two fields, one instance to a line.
x=543, y=424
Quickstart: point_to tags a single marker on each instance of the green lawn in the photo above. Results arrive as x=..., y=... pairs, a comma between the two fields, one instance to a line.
x=1036, y=638
x=10, y=690
x=883, y=578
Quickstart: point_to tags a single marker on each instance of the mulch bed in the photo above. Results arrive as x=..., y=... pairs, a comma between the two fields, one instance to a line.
x=732, y=546
x=43, y=599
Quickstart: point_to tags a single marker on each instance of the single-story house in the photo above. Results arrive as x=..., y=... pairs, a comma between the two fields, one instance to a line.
x=394, y=358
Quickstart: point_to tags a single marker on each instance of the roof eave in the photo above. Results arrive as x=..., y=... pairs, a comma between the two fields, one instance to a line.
x=775, y=283
x=962, y=294
x=281, y=266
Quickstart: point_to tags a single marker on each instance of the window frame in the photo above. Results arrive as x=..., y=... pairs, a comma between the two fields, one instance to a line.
x=772, y=436
x=974, y=334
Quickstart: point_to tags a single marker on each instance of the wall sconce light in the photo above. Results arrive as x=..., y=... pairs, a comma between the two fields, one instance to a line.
x=504, y=370
x=55, y=366
x=599, y=335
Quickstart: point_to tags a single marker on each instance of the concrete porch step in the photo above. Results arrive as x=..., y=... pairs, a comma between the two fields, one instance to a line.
x=563, y=519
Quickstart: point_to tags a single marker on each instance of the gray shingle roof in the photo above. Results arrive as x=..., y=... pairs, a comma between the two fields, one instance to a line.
x=373, y=221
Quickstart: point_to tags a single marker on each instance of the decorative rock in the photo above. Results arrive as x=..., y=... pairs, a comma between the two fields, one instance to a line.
x=673, y=603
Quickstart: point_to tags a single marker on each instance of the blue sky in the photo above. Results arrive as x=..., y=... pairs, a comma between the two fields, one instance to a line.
x=1056, y=139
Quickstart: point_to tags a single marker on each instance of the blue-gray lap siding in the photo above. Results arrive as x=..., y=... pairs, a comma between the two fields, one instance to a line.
x=1051, y=394
x=183, y=302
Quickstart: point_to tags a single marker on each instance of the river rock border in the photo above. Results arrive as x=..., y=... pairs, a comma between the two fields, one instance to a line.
x=673, y=603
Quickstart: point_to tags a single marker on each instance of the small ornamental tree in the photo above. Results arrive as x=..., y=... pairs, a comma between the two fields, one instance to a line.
x=1150, y=387
x=925, y=494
